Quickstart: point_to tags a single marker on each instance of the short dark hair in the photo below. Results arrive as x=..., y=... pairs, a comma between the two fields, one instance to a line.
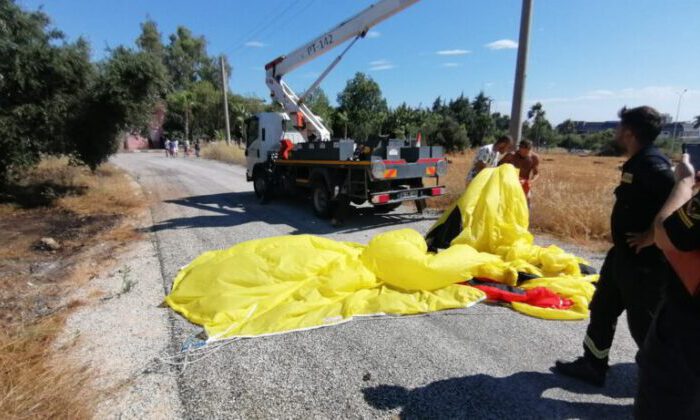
x=527, y=144
x=644, y=122
x=504, y=139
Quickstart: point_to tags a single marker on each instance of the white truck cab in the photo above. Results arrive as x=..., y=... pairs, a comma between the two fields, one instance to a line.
x=265, y=132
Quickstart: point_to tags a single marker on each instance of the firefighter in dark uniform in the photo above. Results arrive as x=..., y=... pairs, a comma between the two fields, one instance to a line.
x=669, y=363
x=634, y=271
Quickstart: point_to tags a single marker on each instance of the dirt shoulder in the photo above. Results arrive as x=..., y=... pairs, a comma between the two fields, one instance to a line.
x=56, y=261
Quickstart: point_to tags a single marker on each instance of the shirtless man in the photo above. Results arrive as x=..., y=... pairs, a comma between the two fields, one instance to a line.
x=527, y=162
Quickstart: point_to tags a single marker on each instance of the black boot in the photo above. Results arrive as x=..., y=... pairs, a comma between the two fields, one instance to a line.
x=583, y=369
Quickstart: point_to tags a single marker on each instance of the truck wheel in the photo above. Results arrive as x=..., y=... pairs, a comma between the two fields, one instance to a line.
x=321, y=200
x=386, y=208
x=421, y=205
x=262, y=187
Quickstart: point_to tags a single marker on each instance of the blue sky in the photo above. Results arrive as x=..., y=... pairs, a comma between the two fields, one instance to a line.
x=588, y=57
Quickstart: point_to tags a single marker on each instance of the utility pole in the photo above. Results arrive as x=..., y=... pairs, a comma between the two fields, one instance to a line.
x=516, y=114
x=224, y=80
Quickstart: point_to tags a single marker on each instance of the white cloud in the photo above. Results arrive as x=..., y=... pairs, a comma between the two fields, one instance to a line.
x=451, y=65
x=502, y=44
x=379, y=62
x=373, y=34
x=383, y=64
x=382, y=67
x=453, y=52
x=255, y=44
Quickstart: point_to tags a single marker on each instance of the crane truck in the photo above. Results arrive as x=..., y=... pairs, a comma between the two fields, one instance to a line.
x=291, y=152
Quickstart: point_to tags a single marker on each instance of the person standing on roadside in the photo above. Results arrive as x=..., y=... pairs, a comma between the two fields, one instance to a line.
x=488, y=156
x=527, y=162
x=167, y=147
x=634, y=271
x=669, y=362
x=197, y=148
x=173, y=147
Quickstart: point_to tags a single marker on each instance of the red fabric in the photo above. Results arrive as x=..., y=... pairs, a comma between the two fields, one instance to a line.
x=538, y=296
x=685, y=264
x=286, y=147
x=526, y=185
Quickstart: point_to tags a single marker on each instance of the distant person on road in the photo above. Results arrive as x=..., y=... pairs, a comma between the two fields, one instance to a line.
x=173, y=147
x=528, y=162
x=488, y=156
x=197, y=148
x=669, y=362
x=634, y=271
x=167, y=145
x=187, y=148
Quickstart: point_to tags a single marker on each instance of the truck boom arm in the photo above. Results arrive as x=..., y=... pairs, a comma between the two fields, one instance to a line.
x=357, y=26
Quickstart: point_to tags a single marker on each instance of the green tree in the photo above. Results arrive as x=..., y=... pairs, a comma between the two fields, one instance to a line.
x=404, y=121
x=123, y=98
x=697, y=121
x=179, y=112
x=566, y=127
x=501, y=123
x=482, y=124
x=319, y=104
x=42, y=78
x=341, y=118
x=150, y=40
x=540, y=130
x=365, y=106
x=187, y=61
x=450, y=134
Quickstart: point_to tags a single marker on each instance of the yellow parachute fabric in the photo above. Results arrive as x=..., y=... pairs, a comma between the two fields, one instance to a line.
x=495, y=219
x=290, y=283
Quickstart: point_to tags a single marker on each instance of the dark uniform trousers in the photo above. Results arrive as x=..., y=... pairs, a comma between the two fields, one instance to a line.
x=627, y=282
x=669, y=362
x=669, y=365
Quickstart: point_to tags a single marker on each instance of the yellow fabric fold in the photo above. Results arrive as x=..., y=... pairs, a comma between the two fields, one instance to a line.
x=289, y=283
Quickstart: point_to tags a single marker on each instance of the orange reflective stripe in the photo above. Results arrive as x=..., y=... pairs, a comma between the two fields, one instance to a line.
x=390, y=173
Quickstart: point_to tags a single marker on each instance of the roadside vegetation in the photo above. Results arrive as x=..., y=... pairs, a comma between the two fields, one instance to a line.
x=60, y=233
x=219, y=150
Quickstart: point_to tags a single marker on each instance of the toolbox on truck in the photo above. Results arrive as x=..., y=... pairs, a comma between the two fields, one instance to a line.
x=323, y=150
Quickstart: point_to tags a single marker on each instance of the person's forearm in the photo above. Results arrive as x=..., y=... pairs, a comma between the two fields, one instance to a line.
x=682, y=192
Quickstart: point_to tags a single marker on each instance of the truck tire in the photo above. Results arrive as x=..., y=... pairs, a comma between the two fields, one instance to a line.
x=262, y=186
x=386, y=208
x=421, y=205
x=321, y=199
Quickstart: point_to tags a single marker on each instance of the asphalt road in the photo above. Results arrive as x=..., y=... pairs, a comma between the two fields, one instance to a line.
x=481, y=362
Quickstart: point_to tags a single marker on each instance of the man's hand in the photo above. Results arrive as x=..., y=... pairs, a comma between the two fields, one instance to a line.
x=641, y=240
x=685, y=170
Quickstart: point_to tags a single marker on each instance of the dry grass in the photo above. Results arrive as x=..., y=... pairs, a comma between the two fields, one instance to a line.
x=80, y=209
x=219, y=150
x=37, y=384
x=572, y=199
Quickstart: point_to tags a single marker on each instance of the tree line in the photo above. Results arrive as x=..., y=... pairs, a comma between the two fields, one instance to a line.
x=55, y=100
